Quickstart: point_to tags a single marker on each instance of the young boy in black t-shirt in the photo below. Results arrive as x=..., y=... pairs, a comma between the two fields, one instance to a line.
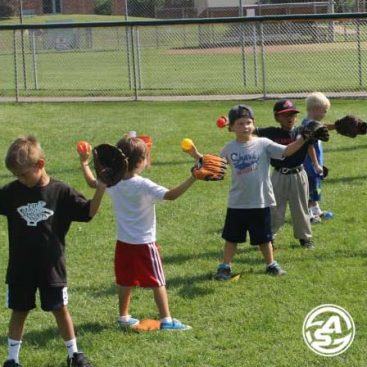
x=39, y=211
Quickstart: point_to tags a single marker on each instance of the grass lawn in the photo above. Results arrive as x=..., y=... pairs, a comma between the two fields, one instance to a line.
x=254, y=322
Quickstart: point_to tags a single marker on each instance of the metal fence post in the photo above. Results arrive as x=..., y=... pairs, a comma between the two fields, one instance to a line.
x=133, y=62
x=359, y=54
x=263, y=58
x=15, y=67
x=242, y=40
x=254, y=50
x=127, y=34
x=34, y=58
x=138, y=57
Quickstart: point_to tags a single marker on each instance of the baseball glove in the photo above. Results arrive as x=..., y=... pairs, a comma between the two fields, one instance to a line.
x=110, y=164
x=210, y=168
x=350, y=126
x=314, y=131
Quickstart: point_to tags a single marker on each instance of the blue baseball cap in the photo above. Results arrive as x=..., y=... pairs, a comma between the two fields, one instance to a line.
x=239, y=111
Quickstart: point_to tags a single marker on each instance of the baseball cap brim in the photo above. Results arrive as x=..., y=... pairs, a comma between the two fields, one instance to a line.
x=287, y=110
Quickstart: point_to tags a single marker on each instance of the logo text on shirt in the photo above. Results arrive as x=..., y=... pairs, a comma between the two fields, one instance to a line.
x=33, y=213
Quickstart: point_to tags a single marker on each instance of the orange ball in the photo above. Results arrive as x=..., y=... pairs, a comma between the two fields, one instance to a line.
x=82, y=146
x=222, y=121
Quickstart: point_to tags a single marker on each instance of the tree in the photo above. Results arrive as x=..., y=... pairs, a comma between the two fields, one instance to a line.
x=143, y=8
x=7, y=9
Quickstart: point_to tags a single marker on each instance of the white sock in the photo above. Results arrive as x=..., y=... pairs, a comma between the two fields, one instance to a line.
x=166, y=319
x=71, y=347
x=13, y=349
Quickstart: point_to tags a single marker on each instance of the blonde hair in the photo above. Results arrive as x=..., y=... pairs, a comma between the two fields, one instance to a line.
x=24, y=152
x=317, y=99
x=135, y=150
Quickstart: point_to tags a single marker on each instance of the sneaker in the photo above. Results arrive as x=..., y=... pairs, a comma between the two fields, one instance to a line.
x=11, y=363
x=315, y=219
x=78, y=360
x=275, y=269
x=174, y=325
x=129, y=323
x=327, y=215
x=307, y=243
x=223, y=272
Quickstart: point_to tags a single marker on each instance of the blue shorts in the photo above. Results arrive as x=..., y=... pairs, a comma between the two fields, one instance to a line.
x=23, y=298
x=256, y=221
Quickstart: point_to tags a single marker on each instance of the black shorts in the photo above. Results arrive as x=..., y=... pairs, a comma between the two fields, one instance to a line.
x=23, y=298
x=256, y=221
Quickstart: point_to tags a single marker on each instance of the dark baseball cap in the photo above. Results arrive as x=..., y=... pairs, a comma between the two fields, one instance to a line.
x=239, y=111
x=283, y=106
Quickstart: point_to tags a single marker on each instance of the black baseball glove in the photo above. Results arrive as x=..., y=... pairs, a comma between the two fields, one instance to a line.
x=350, y=126
x=110, y=164
x=314, y=130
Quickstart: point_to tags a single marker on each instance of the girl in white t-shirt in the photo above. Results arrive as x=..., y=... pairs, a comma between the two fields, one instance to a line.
x=137, y=257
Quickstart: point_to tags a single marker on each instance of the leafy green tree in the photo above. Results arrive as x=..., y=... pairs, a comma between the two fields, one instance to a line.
x=7, y=9
x=103, y=7
x=143, y=8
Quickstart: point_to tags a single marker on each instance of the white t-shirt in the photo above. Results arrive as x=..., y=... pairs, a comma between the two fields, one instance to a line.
x=251, y=185
x=133, y=202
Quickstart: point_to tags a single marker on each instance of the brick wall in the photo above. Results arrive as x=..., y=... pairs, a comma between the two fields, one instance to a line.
x=78, y=7
x=118, y=7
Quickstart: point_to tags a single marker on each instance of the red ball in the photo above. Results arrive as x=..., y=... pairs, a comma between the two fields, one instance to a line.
x=222, y=121
x=82, y=146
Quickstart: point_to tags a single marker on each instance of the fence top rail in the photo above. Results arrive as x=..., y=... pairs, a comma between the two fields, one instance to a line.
x=141, y=23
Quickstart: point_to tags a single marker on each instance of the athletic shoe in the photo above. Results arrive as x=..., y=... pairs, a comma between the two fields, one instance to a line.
x=129, y=323
x=78, y=360
x=223, y=272
x=174, y=325
x=11, y=363
x=275, y=269
x=315, y=219
x=327, y=215
x=307, y=244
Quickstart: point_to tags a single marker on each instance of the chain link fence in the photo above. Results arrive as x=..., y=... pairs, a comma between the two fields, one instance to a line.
x=247, y=57
x=178, y=9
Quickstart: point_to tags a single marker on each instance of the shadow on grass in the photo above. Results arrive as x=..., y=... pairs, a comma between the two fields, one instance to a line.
x=41, y=338
x=345, y=149
x=332, y=180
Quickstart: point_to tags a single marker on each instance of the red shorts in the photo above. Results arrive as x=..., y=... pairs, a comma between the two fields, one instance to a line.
x=138, y=265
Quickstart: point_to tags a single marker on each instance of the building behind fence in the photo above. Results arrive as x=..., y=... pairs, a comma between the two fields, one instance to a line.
x=178, y=9
x=258, y=56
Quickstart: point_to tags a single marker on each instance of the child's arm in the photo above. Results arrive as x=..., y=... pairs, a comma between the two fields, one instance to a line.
x=330, y=126
x=97, y=198
x=193, y=152
x=87, y=172
x=316, y=165
x=174, y=193
x=293, y=147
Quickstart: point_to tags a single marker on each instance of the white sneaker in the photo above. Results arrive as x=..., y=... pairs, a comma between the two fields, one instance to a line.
x=129, y=323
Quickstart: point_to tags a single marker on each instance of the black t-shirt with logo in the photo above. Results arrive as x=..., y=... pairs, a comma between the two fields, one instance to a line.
x=284, y=137
x=38, y=221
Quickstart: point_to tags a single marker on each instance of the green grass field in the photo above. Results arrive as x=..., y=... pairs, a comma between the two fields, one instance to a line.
x=254, y=322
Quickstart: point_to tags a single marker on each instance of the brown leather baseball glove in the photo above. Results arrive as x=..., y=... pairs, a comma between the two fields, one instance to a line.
x=210, y=168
